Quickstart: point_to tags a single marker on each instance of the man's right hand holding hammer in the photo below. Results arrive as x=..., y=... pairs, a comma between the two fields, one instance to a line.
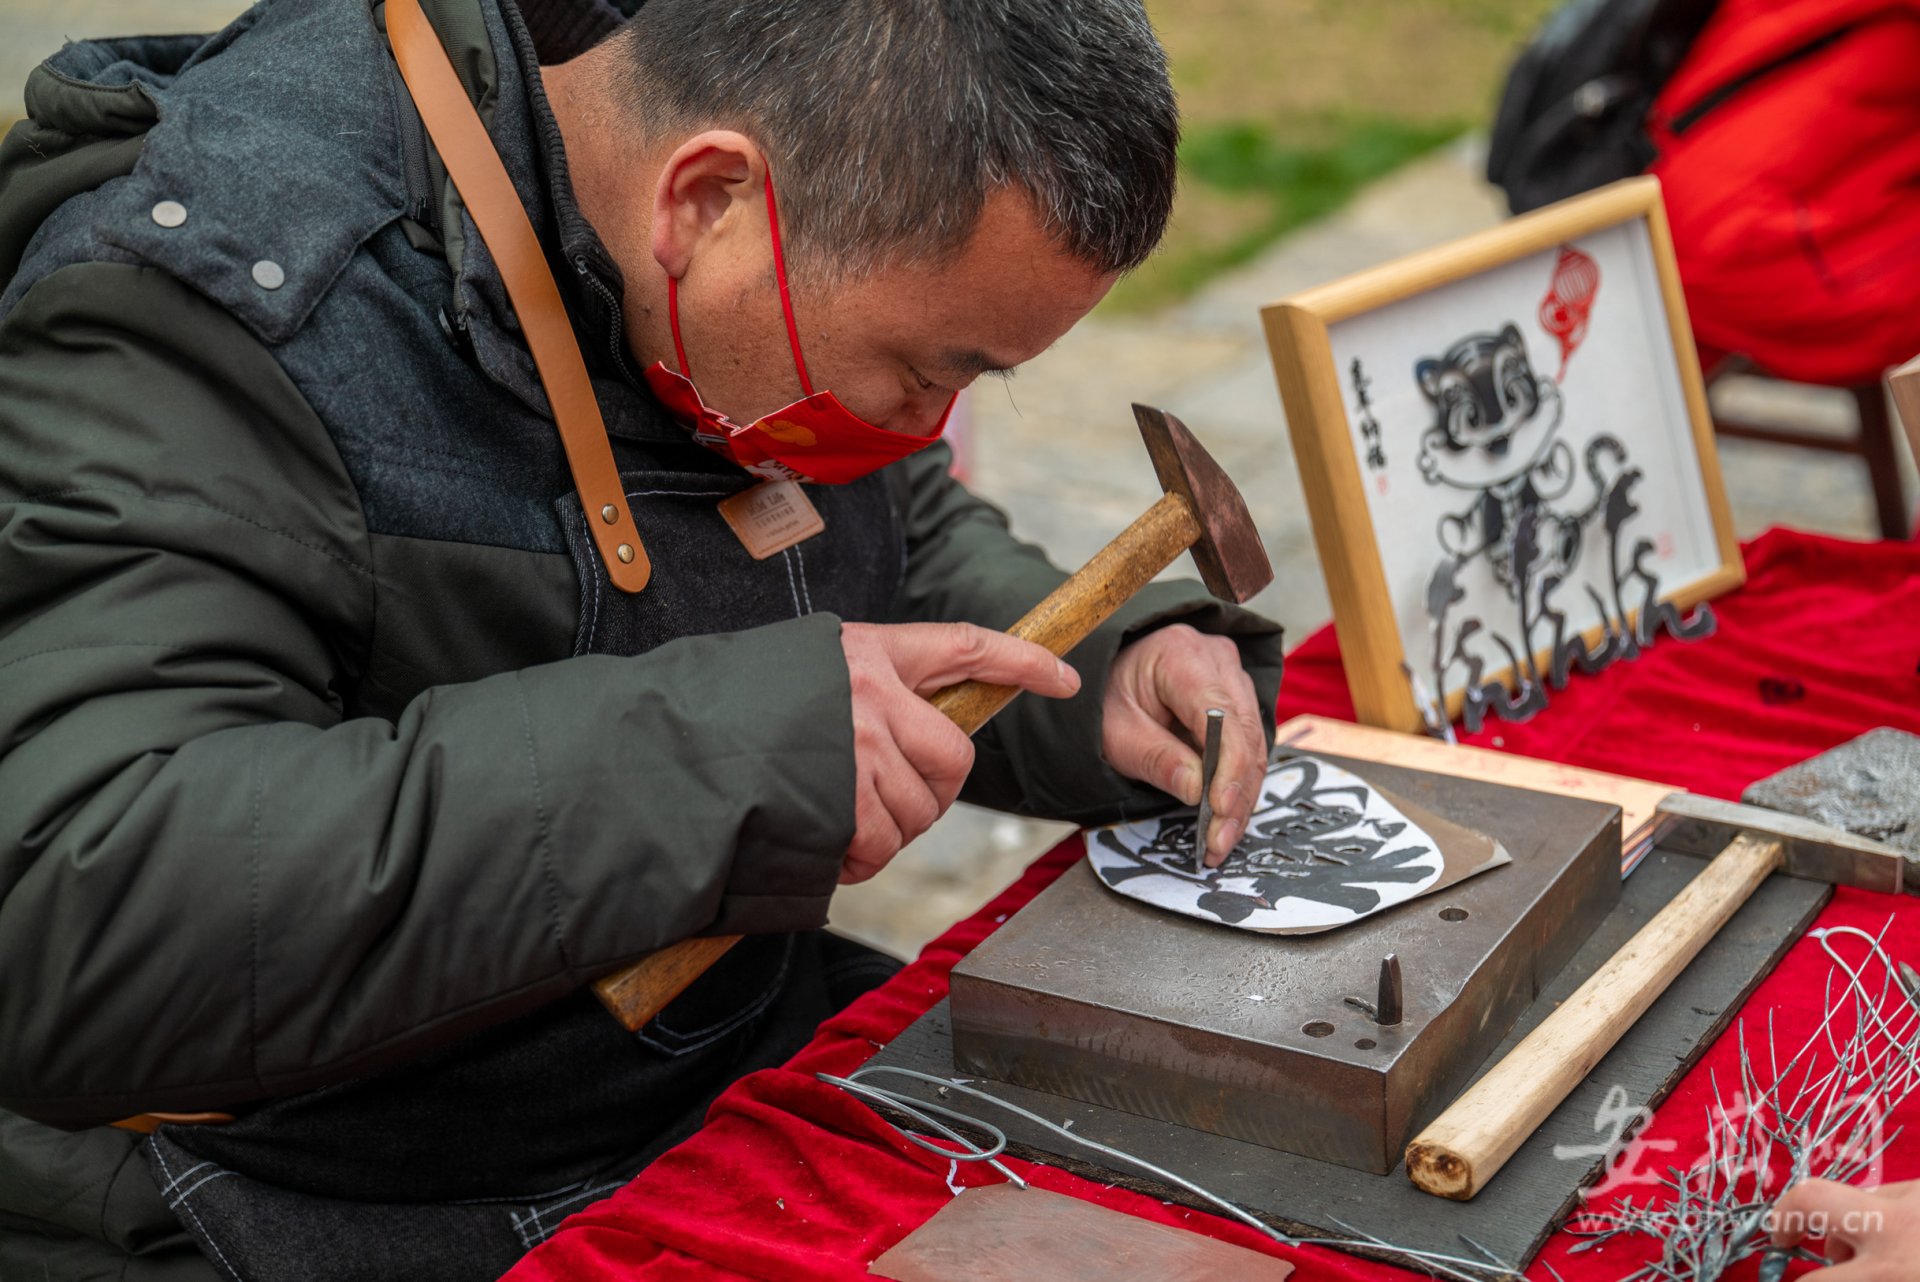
x=911, y=760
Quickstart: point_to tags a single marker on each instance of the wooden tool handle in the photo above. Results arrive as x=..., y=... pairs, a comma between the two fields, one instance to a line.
x=1466, y=1145
x=148, y=1123
x=1085, y=601
x=641, y=991
x=1071, y=611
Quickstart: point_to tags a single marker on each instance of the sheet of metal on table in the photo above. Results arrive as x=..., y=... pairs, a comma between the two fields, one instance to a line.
x=1091, y=995
x=1540, y=1185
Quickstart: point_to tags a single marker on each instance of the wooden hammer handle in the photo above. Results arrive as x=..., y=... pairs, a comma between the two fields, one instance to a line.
x=1084, y=602
x=1466, y=1145
x=1062, y=621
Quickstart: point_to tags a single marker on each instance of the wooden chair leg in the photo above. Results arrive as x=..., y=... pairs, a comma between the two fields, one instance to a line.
x=1882, y=457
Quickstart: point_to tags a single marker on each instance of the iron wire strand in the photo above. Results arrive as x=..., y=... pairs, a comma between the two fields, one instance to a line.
x=1458, y=1268
x=1814, y=1120
x=1717, y=1208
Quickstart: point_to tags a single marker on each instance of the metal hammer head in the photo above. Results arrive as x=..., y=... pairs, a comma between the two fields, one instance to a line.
x=1233, y=563
x=1696, y=825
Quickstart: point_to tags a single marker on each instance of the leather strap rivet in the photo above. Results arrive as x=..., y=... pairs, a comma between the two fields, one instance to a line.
x=624, y=552
x=610, y=514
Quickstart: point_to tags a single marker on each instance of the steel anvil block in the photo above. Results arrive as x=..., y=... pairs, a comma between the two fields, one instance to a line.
x=1100, y=998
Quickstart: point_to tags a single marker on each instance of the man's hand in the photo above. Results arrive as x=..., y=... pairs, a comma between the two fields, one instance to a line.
x=1871, y=1235
x=909, y=758
x=1156, y=711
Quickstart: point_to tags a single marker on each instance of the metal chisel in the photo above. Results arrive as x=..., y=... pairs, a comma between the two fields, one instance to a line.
x=1209, y=765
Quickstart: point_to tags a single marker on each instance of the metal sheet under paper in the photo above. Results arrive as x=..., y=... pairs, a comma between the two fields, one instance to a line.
x=1324, y=848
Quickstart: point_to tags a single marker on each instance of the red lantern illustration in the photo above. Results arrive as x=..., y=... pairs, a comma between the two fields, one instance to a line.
x=1569, y=302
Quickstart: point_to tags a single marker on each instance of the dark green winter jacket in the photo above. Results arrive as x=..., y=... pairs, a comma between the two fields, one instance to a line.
x=308, y=763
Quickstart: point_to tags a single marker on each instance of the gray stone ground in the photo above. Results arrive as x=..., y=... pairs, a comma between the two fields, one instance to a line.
x=1057, y=448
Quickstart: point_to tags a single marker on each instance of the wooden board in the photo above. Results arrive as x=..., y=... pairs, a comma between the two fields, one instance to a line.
x=1000, y=1233
x=1638, y=799
x=1904, y=383
x=1535, y=1192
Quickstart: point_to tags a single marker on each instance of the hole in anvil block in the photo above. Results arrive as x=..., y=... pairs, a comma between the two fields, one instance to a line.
x=1453, y=914
x=1364, y=1044
x=1318, y=1028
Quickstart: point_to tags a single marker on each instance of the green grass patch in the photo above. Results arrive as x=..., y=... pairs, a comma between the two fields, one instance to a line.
x=1248, y=183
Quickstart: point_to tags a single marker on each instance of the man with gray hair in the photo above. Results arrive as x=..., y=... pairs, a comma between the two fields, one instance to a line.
x=342, y=743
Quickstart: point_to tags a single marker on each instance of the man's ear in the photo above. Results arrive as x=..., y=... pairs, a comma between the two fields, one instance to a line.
x=711, y=184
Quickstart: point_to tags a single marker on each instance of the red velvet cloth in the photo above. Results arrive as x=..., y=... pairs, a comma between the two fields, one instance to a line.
x=1821, y=644
x=791, y=1179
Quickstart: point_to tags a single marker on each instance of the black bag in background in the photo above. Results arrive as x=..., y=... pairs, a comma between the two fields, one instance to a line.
x=1574, y=113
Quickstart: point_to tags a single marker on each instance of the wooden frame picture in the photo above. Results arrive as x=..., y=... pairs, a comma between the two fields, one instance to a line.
x=1507, y=457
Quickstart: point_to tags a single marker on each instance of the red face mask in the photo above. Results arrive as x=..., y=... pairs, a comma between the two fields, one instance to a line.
x=813, y=439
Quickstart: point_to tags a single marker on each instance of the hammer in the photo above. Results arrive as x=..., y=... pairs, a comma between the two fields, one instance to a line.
x=1200, y=511
x=1465, y=1146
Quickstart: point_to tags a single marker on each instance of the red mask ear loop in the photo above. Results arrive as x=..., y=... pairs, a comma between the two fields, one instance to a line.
x=786, y=303
x=673, y=323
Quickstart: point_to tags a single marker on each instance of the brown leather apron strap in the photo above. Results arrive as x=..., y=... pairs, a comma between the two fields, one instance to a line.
x=476, y=171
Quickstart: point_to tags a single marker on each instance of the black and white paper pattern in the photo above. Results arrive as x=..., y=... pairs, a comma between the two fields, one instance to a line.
x=1323, y=848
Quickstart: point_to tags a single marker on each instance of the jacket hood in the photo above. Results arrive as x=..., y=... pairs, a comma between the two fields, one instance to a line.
x=106, y=87
x=277, y=137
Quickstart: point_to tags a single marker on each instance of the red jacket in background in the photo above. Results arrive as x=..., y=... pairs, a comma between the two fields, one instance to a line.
x=1795, y=200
